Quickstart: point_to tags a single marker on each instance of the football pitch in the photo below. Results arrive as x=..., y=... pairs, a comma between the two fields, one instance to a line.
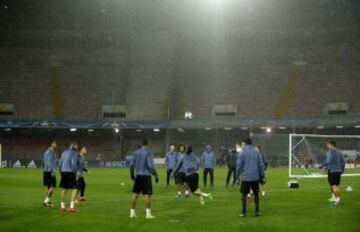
x=303, y=209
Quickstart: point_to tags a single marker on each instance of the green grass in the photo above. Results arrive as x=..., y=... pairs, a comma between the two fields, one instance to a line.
x=304, y=209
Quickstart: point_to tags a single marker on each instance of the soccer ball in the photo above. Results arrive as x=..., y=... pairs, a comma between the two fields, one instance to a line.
x=250, y=198
x=349, y=189
x=188, y=115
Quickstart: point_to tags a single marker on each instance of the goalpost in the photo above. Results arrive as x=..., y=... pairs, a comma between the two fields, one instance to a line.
x=308, y=151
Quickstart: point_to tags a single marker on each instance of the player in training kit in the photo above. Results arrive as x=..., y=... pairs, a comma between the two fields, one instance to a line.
x=68, y=168
x=262, y=184
x=170, y=162
x=208, y=161
x=49, y=180
x=180, y=176
x=143, y=165
x=335, y=165
x=191, y=166
x=231, y=165
x=80, y=174
x=251, y=168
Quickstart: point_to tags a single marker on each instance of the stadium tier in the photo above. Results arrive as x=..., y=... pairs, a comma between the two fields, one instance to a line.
x=159, y=69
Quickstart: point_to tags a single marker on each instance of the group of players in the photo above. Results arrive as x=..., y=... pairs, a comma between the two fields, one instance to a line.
x=72, y=169
x=184, y=166
x=208, y=163
x=244, y=160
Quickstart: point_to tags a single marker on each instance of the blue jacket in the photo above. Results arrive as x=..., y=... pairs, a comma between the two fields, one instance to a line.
x=250, y=165
x=178, y=159
x=208, y=160
x=69, y=161
x=143, y=162
x=170, y=160
x=190, y=164
x=49, y=160
x=81, y=165
x=334, y=161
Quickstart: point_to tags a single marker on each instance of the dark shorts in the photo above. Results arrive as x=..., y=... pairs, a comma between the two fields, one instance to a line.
x=334, y=178
x=49, y=180
x=180, y=178
x=68, y=180
x=193, y=181
x=143, y=185
x=246, y=186
x=80, y=182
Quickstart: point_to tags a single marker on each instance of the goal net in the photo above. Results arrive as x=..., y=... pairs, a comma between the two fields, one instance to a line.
x=308, y=151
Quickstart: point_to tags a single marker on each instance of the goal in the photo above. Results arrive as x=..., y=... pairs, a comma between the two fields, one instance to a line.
x=308, y=151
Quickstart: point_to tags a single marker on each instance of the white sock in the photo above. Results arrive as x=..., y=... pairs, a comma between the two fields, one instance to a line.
x=132, y=212
x=148, y=212
x=337, y=199
x=205, y=194
x=63, y=205
x=47, y=199
x=263, y=193
x=72, y=204
x=201, y=199
x=186, y=192
x=179, y=193
x=333, y=195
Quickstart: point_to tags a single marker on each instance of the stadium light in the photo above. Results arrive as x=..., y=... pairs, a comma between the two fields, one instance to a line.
x=181, y=130
x=268, y=130
x=339, y=127
x=7, y=129
x=90, y=130
x=138, y=130
x=207, y=128
x=228, y=128
x=117, y=130
x=282, y=128
x=73, y=129
x=357, y=126
x=320, y=127
x=156, y=130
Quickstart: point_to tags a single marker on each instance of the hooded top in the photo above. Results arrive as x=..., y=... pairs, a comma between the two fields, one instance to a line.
x=208, y=159
x=81, y=165
x=190, y=164
x=170, y=159
x=69, y=161
x=334, y=161
x=49, y=160
x=178, y=159
x=143, y=162
x=250, y=165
